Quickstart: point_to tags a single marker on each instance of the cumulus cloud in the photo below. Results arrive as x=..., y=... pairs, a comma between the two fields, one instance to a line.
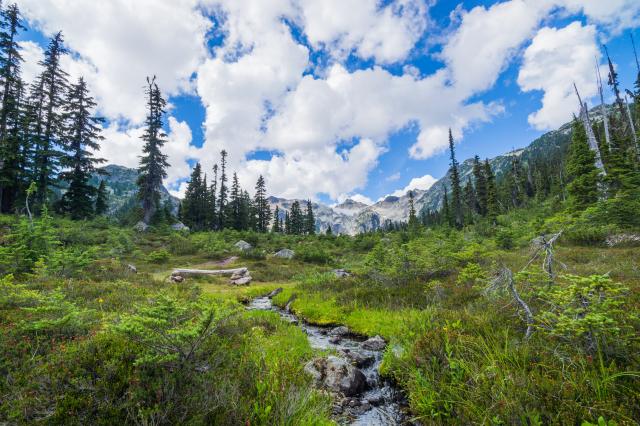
x=556, y=58
x=422, y=183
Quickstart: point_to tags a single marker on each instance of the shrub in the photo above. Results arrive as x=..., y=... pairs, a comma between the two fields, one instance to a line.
x=158, y=256
x=312, y=254
x=504, y=239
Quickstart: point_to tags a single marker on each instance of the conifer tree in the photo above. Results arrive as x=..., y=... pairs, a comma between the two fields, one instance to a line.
x=82, y=136
x=447, y=217
x=492, y=192
x=329, y=230
x=222, y=198
x=10, y=114
x=480, y=187
x=261, y=204
x=309, y=220
x=583, y=188
x=101, y=199
x=287, y=223
x=153, y=163
x=212, y=207
x=48, y=95
x=296, y=220
x=413, y=218
x=456, y=190
x=470, y=203
x=275, y=228
x=234, y=208
x=191, y=203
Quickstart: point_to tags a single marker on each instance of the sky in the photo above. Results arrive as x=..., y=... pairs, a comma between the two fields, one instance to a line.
x=334, y=99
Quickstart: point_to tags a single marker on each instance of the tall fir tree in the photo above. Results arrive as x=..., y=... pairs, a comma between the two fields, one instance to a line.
x=456, y=189
x=583, y=187
x=470, y=201
x=153, y=163
x=446, y=214
x=413, y=218
x=480, y=187
x=212, y=209
x=309, y=220
x=222, y=198
x=82, y=136
x=10, y=114
x=48, y=95
x=191, y=204
x=102, y=199
x=492, y=192
x=275, y=228
x=234, y=207
x=296, y=220
x=287, y=223
x=261, y=204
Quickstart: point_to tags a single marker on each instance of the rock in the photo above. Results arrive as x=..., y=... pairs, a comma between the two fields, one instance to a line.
x=140, y=226
x=132, y=269
x=275, y=292
x=337, y=375
x=238, y=275
x=179, y=226
x=339, y=331
x=376, y=399
x=628, y=240
x=341, y=273
x=335, y=339
x=242, y=280
x=243, y=245
x=359, y=359
x=285, y=254
x=177, y=278
x=376, y=343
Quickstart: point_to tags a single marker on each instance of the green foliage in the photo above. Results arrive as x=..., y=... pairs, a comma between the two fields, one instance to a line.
x=158, y=256
x=504, y=238
x=583, y=187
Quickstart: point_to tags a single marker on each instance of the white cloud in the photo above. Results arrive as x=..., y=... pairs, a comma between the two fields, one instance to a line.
x=392, y=178
x=555, y=60
x=615, y=15
x=422, y=183
x=32, y=54
x=120, y=42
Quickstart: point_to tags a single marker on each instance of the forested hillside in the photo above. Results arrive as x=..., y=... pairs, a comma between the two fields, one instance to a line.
x=507, y=293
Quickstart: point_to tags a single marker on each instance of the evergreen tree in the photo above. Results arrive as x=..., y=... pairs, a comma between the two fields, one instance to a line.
x=153, y=163
x=48, y=97
x=296, y=220
x=470, y=202
x=329, y=230
x=287, y=223
x=583, y=188
x=212, y=218
x=456, y=190
x=191, y=203
x=234, y=208
x=222, y=198
x=101, y=199
x=10, y=114
x=492, y=192
x=309, y=220
x=413, y=219
x=263, y=211
x=247, y=213
x=480, y=187
x=82, y=137
x=447, y=216
x=275, y=228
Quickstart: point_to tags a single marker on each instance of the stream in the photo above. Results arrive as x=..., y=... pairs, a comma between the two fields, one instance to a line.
x=380, y=403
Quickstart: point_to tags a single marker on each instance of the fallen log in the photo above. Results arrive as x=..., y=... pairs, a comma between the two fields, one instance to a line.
x=184, y=272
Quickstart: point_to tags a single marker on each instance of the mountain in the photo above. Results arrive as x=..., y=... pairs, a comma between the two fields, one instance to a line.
x=122, y=188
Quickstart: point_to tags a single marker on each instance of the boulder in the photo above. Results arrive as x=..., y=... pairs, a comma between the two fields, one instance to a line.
x=179, y=227
x=376, y=343
x=337, y=375
x=243, y=245
x=245, y=280
x=275, y=292
x=132, y=269
x=358, y=359
x=140, y=227
x=285, y=254
x=339, y=331
x=335, y=339
x=177, y=278
x=341, y=273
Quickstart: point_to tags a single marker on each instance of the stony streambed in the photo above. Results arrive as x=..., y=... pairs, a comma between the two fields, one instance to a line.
x=368, y=399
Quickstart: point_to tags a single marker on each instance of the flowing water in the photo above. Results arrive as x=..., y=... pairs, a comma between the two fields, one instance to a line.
x=381, y=403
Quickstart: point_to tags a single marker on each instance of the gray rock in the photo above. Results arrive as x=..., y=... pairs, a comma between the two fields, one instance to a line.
x=285, y=254
x=376, y=343
x=140, y=226
x=335, y=339
x=177, y=278
x=359, y=359
x=341, y=273
x=339, y=331
x=245, y=280
x=132, y=269
x=337, y=375
x=243, y=245
x=179, y=227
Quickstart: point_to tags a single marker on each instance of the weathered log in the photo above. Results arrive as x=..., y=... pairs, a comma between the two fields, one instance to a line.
x=184, y=272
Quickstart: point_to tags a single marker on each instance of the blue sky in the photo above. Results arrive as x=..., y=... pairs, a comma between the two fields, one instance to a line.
x=335, y=99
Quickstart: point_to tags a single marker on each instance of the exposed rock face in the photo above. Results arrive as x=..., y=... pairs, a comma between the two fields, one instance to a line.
x=337, y=375
x=376, y=343
x=179, y=227
x=141, y=226
x=285, y=254
x=243, y=245
x=341, y=273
